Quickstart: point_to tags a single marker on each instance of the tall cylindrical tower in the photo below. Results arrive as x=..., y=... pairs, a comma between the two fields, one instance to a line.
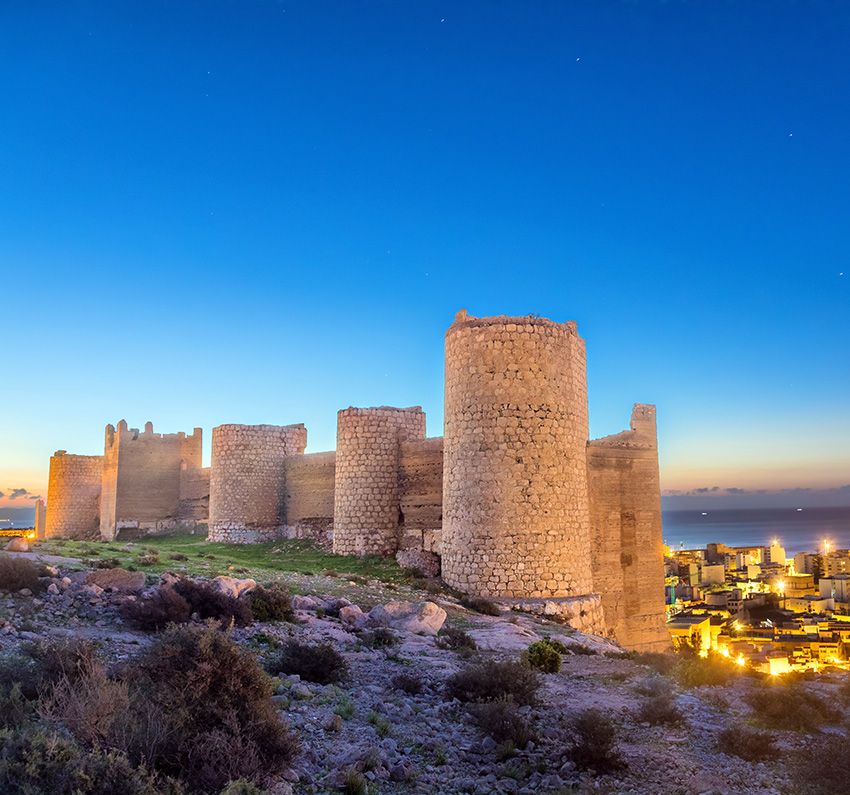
x=247, y=480
x=73, y=496
x=515, y=506
x=366, y=499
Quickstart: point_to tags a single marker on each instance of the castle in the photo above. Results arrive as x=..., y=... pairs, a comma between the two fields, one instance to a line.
x=513, y=502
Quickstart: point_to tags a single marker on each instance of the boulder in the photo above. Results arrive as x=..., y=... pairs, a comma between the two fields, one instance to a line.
x=119, y=580
x=307, y=603
x=420, y=618
x=351, y=615
x=425, y=563
x=231, y=586
x=18, y=545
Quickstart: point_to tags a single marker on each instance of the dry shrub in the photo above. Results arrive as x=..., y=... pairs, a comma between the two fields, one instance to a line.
x=19, y=573
x=271, y=603
x=660, y=710
x=820, y=768
x=408, y=683
x=210, y=703
x=595, y=742
x=746, y=743
x=314, y=662
x=501, y=721
x=456, y=640
x=379, y=638
x=789, y=705
x=660, y=663
x=481, y=605
x=493, y=680
x=38, y=666
x=155, y=612
x=209, y=603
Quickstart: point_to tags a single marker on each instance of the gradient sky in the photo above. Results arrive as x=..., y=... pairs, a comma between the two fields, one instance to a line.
x=265, y=211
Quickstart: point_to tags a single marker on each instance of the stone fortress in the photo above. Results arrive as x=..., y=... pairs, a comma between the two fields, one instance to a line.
x=513, y=503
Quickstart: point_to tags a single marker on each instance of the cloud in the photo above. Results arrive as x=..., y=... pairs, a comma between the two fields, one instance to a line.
x=15, y=493
x=34, y=497
x=2, y=494
x=736, y=497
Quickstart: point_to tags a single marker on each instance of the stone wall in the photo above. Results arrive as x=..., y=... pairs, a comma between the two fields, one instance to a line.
x=367, y=508
x=420, y=485
x=515, y=509
x=309, y=503
x=194, y=504
x=73, y=496
x=40, y=518
x=247, y=489
x=625, y=512
x=142, y=477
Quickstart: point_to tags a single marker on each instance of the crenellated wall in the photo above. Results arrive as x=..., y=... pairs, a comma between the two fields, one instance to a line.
x=144, y=474
x=247, y=480
x=625, y=514
x=367, y=510
x=73, y=496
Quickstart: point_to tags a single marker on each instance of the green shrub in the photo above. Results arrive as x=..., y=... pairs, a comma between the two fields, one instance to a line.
x=660, y=663
x=272, y=603
x=38, y=761
x=355, y=783
x=595, y=742
x=691, y=670
x=209, y=603
x=148, y=559
x=314, y=662
x=746, y=743
x=456, y=640
x=481, y=605
x=789, y=705
x=501, y=721
x=242, y=787
x=155, y=612
x=179, y=556
x=38, y=666
x=492, y=680
x=545, y=656
x=19, y=573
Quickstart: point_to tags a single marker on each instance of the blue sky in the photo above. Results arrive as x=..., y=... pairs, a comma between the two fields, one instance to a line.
x=263, y=212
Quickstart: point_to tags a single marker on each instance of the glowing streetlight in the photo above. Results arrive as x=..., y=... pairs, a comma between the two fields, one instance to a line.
x=826, y=546
x=740, y=660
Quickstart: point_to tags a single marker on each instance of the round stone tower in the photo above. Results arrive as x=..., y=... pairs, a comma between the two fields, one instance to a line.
x=247, y=487
x=367, y=512
x=73, y=496
x=515, y=506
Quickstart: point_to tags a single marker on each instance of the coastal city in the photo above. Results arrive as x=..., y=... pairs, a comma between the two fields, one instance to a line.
x=762, y=608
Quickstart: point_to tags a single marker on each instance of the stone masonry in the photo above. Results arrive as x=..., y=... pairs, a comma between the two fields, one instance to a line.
x=73, y=496
x=367, y=508
x=514, y=503
x=247, y=484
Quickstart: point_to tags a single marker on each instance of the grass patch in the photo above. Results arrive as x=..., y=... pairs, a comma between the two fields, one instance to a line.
x=258, y=560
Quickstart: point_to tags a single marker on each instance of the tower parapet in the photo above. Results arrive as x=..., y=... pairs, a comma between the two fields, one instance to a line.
x=247, y=484
x=73, y=496
x=515, y=513
x=367, y=511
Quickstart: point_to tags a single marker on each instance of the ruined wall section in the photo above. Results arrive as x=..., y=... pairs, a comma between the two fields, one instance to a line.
x=309, y=502
x=143, y=476
x=420, y=486
x=625, y=512
x=73, y=496
x=366, y=494
x=247, y=480
x=194, y=504
x=515, y=510
x=40, y=518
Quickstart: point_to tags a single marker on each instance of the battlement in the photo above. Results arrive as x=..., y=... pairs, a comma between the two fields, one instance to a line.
x=123, y=433
x=519, y=324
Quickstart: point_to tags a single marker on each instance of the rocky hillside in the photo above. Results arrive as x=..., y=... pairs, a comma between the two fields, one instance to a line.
x=398, y=687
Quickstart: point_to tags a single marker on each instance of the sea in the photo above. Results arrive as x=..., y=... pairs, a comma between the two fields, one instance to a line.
x=798, y=530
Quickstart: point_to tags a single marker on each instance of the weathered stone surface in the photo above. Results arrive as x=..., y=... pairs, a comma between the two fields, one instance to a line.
x=423, y=618
x=231, y=586
x=17, y=545
x=351, y=615
x=425, y=563
x=119, y=580
x=73, y=496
